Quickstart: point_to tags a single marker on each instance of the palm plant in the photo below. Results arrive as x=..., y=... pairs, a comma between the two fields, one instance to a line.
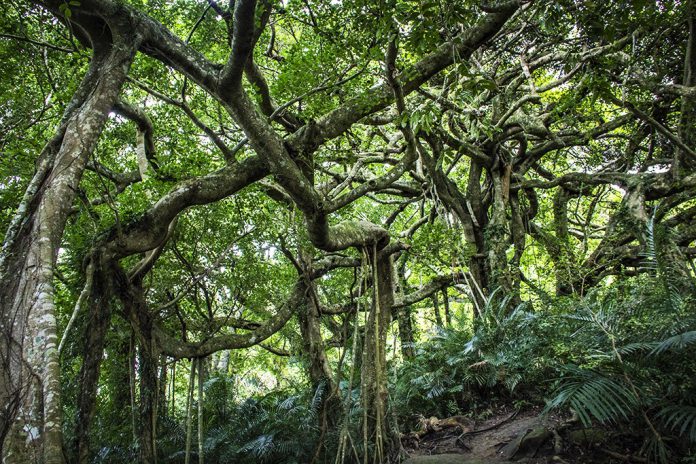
x=628, y=376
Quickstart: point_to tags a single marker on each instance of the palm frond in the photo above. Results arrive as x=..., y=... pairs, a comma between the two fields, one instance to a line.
x=318, y=398
x=636, y=347
x=679, y=418
x=676, y=342
x=649, y=254
x=593, y=395
x=259, y=447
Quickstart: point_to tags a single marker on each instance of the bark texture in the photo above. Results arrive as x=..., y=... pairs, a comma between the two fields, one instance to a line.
x=30, y=374
x=377, y=430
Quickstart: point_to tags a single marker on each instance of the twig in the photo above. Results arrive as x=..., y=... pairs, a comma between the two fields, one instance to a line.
x=36, y=42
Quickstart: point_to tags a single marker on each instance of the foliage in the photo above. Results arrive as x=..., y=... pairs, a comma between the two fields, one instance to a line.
x=609, y=365
x=532, y=159
x=460, y=371
x=279, y=426
x=629, y=377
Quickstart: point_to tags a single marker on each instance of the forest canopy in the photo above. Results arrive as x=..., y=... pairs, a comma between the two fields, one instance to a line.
x=283, y=231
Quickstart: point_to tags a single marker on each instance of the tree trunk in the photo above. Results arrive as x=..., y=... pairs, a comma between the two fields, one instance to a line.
x=162, y=383
x=318, y=367
x=406, y=333
x=120, y=373
x=201, y=379
x=478, y=263
x=445, y=302
x=132, y=361
x=189, y=411
x=563, y=254
x=30, y=373
x=149, y=356
x=403, y=315
x=497, y=236
x=92, y=354
x=376, y=428
x=135, y=307
x=436, y=309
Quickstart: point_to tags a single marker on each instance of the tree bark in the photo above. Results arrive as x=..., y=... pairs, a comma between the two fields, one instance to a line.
x=377, y=429
x=149, y=356
x=189, y=411
x=318, y=368
x=445, y=303
x=30, y=372
x=406, y=333
x=497, y=234
x=436, y=309
x=563, y=253
x=162, y=383
x=201, y=379
x=92, y=354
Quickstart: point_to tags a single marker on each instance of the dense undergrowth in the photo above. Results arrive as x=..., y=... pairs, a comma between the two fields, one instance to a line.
x=619, y=357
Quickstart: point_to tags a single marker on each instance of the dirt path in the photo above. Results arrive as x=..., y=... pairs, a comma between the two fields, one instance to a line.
x=489, y=441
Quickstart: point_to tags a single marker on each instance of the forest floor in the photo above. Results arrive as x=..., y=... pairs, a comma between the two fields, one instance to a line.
x=520, y=436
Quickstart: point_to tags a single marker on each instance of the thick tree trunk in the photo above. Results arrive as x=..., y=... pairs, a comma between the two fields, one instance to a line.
x=318, y=367
x=314, y=348
x=132, y=296
x=120, y=372
x=445, y=303
x=162, y=383
x=149, y=356
x=478, y=263
x=30, y=374
x=497, y=235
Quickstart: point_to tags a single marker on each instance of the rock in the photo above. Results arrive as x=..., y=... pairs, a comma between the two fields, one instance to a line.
x=526, y=444
x=450, y=459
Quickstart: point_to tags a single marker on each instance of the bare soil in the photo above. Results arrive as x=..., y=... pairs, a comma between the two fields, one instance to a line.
x=509, y=436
